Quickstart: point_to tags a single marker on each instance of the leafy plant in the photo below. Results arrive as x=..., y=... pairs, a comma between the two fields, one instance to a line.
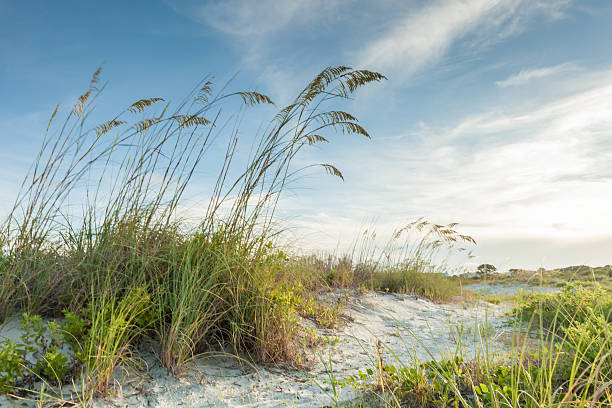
x=38, y=355
x=11, y=366
x=53, y=365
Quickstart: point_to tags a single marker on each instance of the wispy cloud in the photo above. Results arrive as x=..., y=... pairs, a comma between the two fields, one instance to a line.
x=249, y=18
x=527, y=75
x=423, y=36
x=543, y=172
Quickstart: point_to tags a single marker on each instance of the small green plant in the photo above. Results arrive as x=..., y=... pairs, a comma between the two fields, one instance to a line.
x=38, y=355
x=11, y=366
x=53, y=365
x=323, y=314
x=497, y=386
x=335, y=385
x=44, y=343
x=75, y=329
x=33, y=336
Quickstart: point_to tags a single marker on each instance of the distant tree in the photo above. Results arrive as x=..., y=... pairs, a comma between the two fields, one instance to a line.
x=486, y=269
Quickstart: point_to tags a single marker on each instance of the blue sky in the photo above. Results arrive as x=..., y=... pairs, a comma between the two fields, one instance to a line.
x=497, y=114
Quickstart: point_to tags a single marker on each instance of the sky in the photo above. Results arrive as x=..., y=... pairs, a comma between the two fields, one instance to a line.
x=497, y=114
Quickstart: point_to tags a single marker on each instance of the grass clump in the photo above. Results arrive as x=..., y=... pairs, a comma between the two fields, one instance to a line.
x=411, y=261
x=126, y=268
x=499, y=299
x=431, y=285
x=414, y=264
x=115, y=323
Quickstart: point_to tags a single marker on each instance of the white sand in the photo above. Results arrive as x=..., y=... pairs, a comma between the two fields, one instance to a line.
x=407, y=326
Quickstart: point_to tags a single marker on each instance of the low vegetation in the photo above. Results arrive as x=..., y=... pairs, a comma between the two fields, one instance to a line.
x=586, y=276
x=560, y=357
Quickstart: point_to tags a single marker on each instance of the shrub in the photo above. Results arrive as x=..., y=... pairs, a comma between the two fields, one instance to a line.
x=558, y=311
x=486, y=269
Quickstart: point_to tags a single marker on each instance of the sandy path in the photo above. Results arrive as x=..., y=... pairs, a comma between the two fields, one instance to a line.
x=396, y=320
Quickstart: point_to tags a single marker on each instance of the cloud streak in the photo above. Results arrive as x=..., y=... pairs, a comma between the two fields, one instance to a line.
x=424, y=36
x=544, y=173
x=527, y=75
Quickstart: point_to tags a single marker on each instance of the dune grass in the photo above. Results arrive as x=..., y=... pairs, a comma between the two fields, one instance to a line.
x=411, y=261
x=126, y=272
x=126, y=268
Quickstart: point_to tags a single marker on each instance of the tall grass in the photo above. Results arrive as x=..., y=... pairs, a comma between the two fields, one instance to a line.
x=412, y=260
x=126, y=263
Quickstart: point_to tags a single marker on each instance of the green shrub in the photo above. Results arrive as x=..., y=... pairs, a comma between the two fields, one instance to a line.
x=11, y=366
x=75, y=328
x=558, y=311
x=587, y=353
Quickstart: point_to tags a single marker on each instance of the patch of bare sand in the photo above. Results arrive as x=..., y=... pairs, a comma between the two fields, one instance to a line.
x=407, y=327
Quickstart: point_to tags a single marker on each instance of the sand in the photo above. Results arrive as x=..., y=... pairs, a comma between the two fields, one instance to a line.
x=406, y=326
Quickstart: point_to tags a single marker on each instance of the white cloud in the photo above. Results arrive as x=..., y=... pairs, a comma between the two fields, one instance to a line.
x=423, y=37
x=527, y=75
x=540, y=173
